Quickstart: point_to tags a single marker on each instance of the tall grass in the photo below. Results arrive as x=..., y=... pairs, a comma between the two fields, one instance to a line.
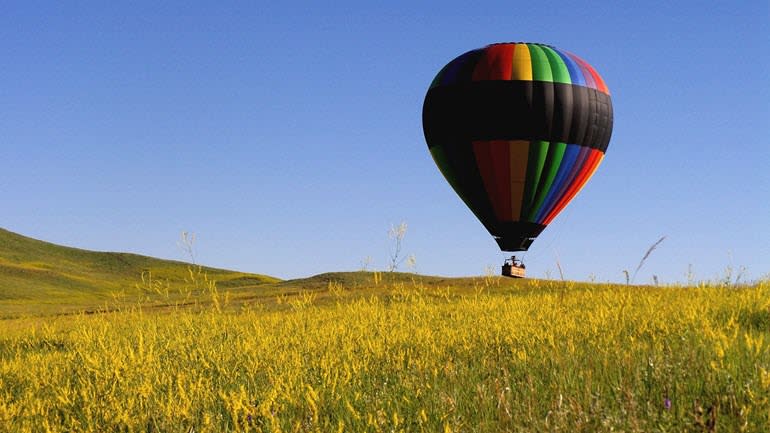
x=541, y=356
x=647, y=255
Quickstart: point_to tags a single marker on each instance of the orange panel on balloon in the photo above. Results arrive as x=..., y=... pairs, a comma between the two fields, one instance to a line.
x=521, y=64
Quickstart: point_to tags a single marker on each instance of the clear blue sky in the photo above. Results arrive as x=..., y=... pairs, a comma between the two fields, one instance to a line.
x=288, y=137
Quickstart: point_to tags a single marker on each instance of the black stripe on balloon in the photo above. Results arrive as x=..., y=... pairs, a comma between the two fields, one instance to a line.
x=517, y=110
x=563, y=113
x=516, y=236
x=580, y=114
x=606, y=122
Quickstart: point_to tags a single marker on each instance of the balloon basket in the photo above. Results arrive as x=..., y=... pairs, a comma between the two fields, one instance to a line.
x=514, y=268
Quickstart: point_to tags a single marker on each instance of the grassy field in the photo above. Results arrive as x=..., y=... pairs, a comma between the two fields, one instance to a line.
x=369, y=351
x=400, y=354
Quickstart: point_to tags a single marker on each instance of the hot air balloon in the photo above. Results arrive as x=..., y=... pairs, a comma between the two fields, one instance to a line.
x=517, y=129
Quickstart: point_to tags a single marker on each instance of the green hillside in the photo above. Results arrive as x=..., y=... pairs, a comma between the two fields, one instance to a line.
x=48, y=278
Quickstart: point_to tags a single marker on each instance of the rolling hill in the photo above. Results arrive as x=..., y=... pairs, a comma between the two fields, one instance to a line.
x=40, y=278
x=55, y=278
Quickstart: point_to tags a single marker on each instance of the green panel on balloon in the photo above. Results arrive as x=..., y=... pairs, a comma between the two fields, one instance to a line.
x=541, y=67
x=558, y=68
x=537, y=153
x=552, y=162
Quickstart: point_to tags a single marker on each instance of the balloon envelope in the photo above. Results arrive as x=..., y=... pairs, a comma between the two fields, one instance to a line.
x=517, y=129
